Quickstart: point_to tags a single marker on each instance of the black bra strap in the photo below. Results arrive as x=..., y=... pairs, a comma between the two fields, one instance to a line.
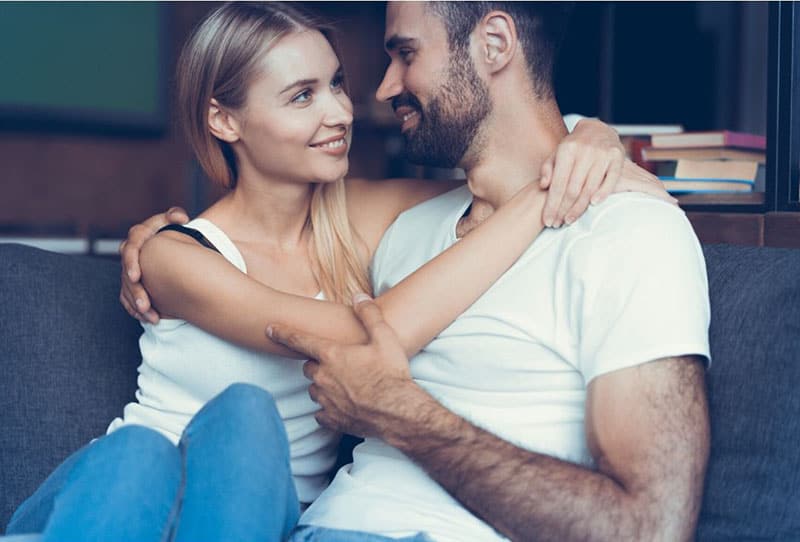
x=199, y=237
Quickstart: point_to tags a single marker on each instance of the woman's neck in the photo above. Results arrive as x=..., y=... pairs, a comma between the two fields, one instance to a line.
x=265, y=213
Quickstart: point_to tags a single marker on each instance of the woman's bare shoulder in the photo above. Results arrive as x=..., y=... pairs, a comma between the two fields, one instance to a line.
x=373, y=205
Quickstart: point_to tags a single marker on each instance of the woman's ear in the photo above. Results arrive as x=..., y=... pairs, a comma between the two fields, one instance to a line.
x=221, y=123
x=500, y=41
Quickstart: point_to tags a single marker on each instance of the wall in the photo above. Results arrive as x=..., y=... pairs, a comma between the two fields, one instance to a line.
x=96, y=181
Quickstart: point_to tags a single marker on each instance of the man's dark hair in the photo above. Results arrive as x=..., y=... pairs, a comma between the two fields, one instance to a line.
x=540, y=26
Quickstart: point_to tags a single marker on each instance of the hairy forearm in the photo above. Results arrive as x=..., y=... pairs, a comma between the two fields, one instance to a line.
x=522, y=494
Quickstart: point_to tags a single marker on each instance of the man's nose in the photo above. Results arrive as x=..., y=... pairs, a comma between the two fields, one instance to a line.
x=392, y=84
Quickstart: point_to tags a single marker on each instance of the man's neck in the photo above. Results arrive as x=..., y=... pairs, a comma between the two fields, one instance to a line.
x=518, y=138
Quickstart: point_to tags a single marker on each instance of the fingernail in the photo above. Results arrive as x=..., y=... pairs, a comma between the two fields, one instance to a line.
x=269, y=331
x=140, y=303
x=360, y=297
x=548, y=222
x=569, y=220
x=130, y=274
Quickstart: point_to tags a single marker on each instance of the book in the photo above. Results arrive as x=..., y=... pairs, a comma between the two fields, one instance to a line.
x=722, y=138
x=634, y=145
x=646, y=129
x=675, y=185
x=716, y=169
x=653, y=154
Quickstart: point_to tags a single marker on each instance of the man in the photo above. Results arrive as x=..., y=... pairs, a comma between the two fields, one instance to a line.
x=568, y=402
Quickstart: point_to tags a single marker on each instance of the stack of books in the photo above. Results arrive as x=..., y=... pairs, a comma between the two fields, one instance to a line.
x=636, y=137
x=708, y=162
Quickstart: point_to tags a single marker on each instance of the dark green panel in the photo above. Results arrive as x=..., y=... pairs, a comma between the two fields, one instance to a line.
x=103, y=57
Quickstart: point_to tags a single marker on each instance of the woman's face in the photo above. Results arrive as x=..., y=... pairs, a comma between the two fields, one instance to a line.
x=296, y=123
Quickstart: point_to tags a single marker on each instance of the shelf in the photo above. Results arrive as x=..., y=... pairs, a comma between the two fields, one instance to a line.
x=748, y=198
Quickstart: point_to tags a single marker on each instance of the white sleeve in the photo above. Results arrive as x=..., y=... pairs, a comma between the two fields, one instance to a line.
x=571, y=120
x=642, y=292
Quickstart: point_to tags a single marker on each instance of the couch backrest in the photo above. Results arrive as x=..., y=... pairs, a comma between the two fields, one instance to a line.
x=68, y=354
x=68, y=358
x=753, y=481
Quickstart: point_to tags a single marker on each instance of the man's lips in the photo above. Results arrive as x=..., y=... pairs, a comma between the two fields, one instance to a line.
x=405, y=112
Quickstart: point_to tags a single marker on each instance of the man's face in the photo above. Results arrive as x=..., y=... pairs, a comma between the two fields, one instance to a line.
x=438, y=96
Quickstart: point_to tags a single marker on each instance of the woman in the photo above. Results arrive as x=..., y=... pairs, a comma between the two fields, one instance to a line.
x=261, y=92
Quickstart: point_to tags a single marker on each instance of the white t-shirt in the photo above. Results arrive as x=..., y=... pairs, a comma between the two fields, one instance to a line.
x=183, y=367
x=623, y=285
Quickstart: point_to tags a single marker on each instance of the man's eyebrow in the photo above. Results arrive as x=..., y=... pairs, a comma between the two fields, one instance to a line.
x=300, y=83
x=397, y=41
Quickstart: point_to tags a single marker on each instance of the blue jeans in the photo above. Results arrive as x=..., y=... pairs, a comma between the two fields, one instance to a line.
x=229, y=479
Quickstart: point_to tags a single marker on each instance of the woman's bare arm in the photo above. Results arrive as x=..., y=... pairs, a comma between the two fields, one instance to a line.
x=198, y=285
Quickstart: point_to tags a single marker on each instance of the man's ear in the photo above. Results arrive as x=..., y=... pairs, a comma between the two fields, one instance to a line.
x=221, y=123
x=500, y=41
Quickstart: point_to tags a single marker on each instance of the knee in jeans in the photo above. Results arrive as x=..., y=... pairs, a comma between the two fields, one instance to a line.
x=134, y=439
x=243, y=401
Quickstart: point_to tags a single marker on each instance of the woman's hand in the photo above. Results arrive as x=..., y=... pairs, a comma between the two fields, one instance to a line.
x=585, y=168
x=636, y=179
x=132, y=294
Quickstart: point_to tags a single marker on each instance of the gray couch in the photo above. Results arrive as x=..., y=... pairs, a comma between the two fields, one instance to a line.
x=69, y=356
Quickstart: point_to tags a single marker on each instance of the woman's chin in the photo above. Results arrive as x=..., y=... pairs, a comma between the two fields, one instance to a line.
x=332, y=175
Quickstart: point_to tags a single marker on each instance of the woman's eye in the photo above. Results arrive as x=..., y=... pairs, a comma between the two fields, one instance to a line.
x=302, y=97
x=337, y=82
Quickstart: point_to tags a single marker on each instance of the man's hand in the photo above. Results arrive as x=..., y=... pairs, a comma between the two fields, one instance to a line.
x=359, y=388
x=132, y=294
x=584, y=168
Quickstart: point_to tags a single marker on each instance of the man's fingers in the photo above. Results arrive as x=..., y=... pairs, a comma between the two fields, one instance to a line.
x=129, y=308
x=176, y=215
x=370, y=315
x=308, y=345
x=310, y=368
x=313, y=392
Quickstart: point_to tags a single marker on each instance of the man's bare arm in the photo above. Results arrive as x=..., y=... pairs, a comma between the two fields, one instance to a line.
x=647, y=428
x=648, y=431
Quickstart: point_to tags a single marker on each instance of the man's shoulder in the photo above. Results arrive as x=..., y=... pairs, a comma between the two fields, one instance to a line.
x=632, y=220
x=635, y=231
x=632, y=214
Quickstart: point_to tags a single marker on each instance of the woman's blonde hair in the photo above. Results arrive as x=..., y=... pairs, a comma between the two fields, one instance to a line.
x=220, y=61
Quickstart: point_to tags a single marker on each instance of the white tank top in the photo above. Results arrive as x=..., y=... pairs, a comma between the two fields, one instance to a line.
x=183, y=367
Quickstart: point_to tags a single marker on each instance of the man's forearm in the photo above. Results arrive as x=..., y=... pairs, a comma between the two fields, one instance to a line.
x=522, y=494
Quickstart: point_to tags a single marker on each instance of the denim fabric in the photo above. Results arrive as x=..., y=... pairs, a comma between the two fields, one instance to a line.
x=239, y=484
x=309, y=533
x=229, y=479
x=122, y=488
x=32, y=515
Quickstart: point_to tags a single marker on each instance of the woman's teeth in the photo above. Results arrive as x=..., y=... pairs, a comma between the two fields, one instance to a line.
x=332, y=144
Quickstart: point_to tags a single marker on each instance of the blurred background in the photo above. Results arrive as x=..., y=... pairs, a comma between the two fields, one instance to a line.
x=88, y=138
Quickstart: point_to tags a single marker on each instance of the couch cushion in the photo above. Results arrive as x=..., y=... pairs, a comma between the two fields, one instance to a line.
x=68, y=357
x=753, y=481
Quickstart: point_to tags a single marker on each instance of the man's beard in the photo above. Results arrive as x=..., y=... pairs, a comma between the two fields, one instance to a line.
x=447, y=127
